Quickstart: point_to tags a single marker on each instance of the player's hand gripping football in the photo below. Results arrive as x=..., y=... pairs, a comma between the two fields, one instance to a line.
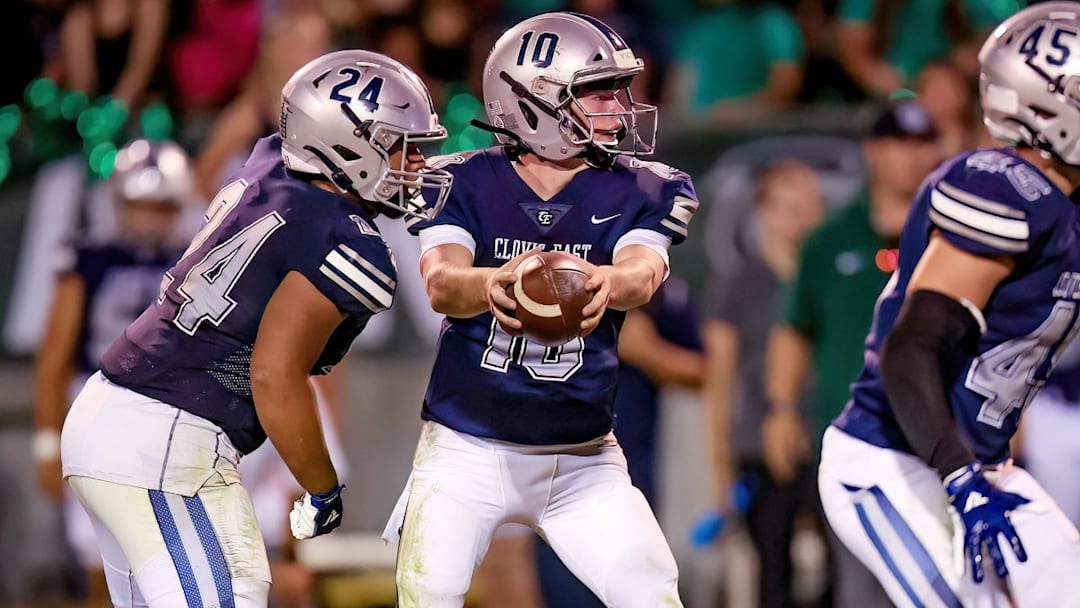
x=498, y=301
x=985, y=513
x=316, y=514
x=600, y=284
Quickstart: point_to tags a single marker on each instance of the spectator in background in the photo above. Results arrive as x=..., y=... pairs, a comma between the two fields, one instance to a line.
x=659, y=346
x=209, y=62
x=292, y=37
x=737, y=55
x=845, y=265
x=950, y=99
x=108, y=52
x=884, y=44
x=638, y=24
x=113, y=47
x=446, y=27
x=743, y=304
x=100, y=288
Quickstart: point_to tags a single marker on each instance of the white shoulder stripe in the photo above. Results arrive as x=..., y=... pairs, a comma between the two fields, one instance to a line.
x=980, y=220
x=979, y=202
x=349, y=289
x=371, y=269
x=683, y=201
x=377, y=292
x=672, y=226
x=1009, y=245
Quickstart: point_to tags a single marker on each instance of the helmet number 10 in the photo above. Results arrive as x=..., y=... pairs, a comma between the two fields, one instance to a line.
x=545, y=45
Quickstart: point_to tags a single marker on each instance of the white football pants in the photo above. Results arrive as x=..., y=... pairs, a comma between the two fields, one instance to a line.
x=174, y=524
x=163, y=550
x=891, y=511
x=578, y=498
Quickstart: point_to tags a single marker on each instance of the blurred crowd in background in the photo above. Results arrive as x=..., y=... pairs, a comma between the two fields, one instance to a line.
x=94, y=73
x=806, y=124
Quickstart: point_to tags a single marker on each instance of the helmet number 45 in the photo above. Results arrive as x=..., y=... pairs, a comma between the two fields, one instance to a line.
x=1053, y=50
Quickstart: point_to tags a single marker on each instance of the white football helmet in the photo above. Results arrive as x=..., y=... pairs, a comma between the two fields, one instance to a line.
x=158, y=171
x=1029, y=79
x=533, y=72
x=341, y=116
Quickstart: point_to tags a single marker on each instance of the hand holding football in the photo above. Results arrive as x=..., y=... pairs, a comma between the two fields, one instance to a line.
x=550, y=293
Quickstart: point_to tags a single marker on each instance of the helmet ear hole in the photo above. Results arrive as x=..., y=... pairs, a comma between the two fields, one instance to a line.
x=346, y=153
x=530, y=116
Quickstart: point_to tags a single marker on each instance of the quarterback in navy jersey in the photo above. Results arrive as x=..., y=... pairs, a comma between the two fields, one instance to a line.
x=916, y=476
x=514, y=431
x=286, y=272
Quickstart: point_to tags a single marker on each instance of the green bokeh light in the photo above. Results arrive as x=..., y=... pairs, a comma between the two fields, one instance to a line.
x=41, y=92
x=5, y=162
x=102, y=157
x=900, y=94
x=108, y=163
x=10, y=117
x=461, y=109
x=72, y=104
x=156, y=122
x=114, y=112
x=91, y=124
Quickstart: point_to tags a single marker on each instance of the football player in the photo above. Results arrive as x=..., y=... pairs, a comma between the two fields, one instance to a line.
x=515, y=431
x=101, y=286
x=916, y=476
x=284, y=275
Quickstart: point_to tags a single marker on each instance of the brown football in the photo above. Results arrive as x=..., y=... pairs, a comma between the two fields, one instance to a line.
x=550, y=294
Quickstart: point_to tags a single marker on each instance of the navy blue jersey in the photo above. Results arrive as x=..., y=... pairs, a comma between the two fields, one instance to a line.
x=488, y=384
x=988, y=203
x=119, y=281
x=192, y=348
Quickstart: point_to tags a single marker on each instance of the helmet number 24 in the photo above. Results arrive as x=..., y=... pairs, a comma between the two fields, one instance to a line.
x=370, y=93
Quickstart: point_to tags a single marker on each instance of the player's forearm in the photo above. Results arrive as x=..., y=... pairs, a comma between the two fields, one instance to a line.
x=930, y=336
x=633, y=282
x=50, y=394
x=285, y=403
x=673, y=365
x=458, y=291
x=787, y=364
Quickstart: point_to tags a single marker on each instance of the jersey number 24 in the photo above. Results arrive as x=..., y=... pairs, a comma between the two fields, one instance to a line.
x=207, y=284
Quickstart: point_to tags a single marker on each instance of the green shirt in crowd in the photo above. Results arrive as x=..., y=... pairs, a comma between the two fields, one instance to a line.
x=728, y=51
x=831, y=302
x=919, y=35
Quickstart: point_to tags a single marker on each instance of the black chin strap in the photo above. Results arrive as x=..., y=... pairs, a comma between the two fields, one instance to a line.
x=514, y=149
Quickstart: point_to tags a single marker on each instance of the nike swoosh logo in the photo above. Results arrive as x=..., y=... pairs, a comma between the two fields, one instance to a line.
x=333, y=516
x=601, y=220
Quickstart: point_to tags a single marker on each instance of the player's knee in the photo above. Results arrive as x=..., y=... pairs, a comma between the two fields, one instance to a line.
x=250, y=592
x=418, y=587
x=643, y=578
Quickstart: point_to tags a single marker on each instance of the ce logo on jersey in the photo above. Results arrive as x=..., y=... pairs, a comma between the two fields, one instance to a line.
x=601, y=220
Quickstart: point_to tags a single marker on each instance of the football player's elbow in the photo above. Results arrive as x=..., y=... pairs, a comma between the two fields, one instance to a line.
x=441, y=295
x=268, y=375
x=442, y=302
